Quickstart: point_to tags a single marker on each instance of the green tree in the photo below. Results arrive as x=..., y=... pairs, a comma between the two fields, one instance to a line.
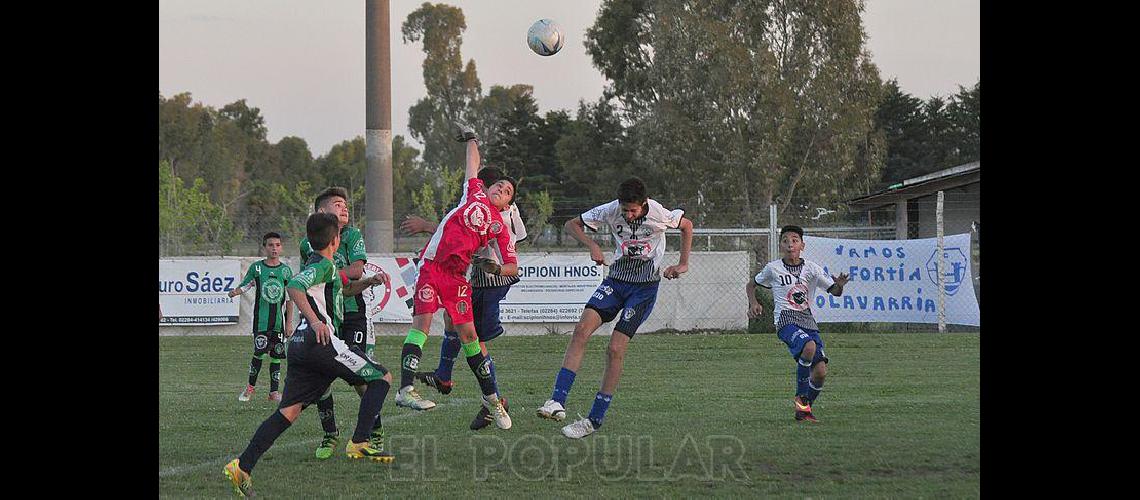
x=754, y=101
x=541, y=207
x=188, y=222
x=902, y=123
x=451, y=87
x=964, y=114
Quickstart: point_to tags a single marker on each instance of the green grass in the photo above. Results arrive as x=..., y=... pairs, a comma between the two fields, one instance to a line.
x=693, y=415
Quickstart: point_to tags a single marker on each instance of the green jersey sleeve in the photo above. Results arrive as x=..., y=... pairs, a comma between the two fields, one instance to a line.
x=306, y=250
x=323, y=271
x=251, y=274
x=354, y=245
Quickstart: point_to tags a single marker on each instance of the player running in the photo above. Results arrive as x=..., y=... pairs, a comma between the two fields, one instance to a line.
x=272, y=314
x=317, y=356
x=638, y=225
x=475, y=223
x=793, y=281
x=356, y=331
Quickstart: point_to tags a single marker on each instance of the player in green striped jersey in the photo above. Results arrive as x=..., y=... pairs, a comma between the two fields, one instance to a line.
x=317, y=356
x=272, y=314
x=356, y=331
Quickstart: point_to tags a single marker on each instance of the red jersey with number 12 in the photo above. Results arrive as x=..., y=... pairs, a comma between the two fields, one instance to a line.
x=468, y=227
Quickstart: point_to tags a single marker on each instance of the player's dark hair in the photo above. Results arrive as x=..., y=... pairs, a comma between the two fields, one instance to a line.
x=329, y=193
x=792, y=229
x=632, y=190
x=271, y=234
x=321, y=228
x=490, y=175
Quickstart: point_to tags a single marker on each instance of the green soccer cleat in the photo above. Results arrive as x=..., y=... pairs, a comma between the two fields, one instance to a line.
x=325, y=450
x=239, y=479
x=366, y=450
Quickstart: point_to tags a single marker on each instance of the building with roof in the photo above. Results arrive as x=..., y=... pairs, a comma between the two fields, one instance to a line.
x=914, y=201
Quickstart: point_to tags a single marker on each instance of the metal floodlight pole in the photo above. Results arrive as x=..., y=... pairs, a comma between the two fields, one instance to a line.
x=380, y=226
x=941, y=266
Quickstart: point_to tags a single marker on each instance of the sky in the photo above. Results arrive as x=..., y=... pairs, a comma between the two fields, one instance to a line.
x=302, y=61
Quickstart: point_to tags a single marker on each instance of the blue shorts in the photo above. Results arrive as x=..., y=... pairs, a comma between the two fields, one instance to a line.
x=633, y=300
x=485, y=308
x=795, y=337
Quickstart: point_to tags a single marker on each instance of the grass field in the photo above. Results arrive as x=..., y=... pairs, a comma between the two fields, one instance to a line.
x=693, y=415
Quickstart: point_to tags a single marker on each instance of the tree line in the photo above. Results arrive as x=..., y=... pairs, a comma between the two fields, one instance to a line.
x=723, y=106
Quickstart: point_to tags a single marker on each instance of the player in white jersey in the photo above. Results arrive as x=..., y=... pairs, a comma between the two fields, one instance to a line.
x=793, y=281
x=638, y=226
x=487, y=290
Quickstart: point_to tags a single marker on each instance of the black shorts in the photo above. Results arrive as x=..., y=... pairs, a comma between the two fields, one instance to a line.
x=271, y=343
x=354, y=331
x=313, y=367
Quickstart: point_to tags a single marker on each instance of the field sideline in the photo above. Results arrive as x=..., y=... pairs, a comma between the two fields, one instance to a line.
x=693, y=415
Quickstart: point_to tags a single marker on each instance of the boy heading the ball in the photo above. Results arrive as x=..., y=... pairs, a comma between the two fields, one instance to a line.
x=628, y=292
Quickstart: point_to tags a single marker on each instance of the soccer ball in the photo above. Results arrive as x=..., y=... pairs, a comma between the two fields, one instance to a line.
x=545, y=37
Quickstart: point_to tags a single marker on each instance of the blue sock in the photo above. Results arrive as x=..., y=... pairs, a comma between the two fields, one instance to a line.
x=494, y=381
x=448, y=351
x=598, y=411
x=814, y=389
x=562, y=386
x=803, y=374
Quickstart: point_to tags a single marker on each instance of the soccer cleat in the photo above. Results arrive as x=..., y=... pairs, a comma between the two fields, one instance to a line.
x=429, y=378
x=366, y=450
x=805, y=415
x=377, y=439
x=552, y=410
x=328, y=443
x=246, y=394
x=803, y=410
x=483, y=418
x=496, y=411
x=239, y=479
x=275, y=396
x=408, y=397
x=579, y=429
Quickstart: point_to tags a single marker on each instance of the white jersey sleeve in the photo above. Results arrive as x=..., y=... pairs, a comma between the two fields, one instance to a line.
x=515, y=223
x=822, y=280
x=765, y=277
x=663, y=216
x=601, y=214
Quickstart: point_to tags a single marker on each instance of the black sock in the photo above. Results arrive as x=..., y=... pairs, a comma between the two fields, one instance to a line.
x=326, y=414
x=266, y=434
x=482, y=371
x=378, y=425
x=254, y=369
x=274, y=374
x=370, y=404
x=409, y=361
